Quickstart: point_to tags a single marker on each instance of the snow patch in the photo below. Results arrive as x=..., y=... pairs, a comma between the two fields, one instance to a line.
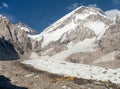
x=85, y=15
x=97, y=26
x=35, y=37
x=34, y=55
x=25, y=29
x=56, y=35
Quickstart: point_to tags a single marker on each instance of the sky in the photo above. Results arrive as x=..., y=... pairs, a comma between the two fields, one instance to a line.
x=39, y=14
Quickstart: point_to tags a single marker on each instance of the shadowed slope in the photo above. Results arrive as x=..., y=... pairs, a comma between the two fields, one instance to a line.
x=6, y=84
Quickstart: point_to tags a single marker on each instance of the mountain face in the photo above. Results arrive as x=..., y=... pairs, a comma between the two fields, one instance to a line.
x=26, y=28
x=83, y=25
x=82, y=36
x=111, y=39
x=13, y=41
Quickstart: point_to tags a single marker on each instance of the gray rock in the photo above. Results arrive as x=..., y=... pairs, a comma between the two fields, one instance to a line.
x=14, y=42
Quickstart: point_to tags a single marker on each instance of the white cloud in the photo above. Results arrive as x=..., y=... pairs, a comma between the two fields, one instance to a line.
x=116, y=2
x=92, y=5
x=112, y=13
x=5, y=5
x=73, y=6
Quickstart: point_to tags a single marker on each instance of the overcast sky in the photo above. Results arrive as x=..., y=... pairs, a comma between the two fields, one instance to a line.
x=39, y=14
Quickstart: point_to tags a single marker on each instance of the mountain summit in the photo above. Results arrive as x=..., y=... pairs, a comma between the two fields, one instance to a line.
x=26, y=28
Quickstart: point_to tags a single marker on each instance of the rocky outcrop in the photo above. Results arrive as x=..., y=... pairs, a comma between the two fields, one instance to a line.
x=84, y=57
x=26, y=28
x=14, y=42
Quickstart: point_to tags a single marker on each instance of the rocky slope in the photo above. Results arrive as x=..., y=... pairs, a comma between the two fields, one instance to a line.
x=110, y=41
x=13, y=41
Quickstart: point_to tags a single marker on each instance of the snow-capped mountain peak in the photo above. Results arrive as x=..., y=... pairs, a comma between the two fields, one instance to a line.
x=82, y=12
x=26, y=28
x=81, y=19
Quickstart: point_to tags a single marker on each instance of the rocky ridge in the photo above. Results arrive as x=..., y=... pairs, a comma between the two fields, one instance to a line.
x=26, y=28
x=14, y=43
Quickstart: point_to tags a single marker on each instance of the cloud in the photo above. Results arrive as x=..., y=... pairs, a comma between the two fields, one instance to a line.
x=92, y=5
x=116, y=2
x=5, y=5
x=73, y=6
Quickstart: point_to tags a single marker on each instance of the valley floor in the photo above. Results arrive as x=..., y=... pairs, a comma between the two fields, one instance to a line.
x=26, y=79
